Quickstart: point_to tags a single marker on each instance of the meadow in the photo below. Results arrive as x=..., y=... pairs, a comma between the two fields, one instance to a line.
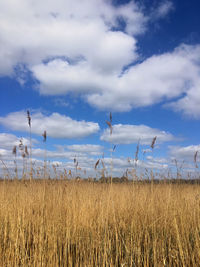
x=80, y=223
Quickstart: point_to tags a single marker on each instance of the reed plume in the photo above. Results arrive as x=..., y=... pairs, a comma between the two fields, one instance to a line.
x=153, y=142
x=195, y=159
x=45, y=153
x=14, y=152
x=109, y=123
x=30, y=143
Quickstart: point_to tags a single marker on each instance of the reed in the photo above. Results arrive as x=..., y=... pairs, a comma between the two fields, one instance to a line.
x=79, y=222
x=45, y=153
x=109, y=123
x=30, y=143
x=68, y=223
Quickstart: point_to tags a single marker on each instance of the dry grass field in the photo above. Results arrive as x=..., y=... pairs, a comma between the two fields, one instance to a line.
x=68, y=223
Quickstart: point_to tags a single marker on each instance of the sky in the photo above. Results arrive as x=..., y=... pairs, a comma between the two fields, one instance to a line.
x=71, y=63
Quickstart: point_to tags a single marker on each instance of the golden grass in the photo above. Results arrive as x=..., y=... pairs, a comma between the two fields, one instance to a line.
x=60, y=223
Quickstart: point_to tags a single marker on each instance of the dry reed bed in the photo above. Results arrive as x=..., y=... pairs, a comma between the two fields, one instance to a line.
x=58, y=223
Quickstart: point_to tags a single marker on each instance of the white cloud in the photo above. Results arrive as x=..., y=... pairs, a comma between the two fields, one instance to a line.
x=87, y=148
x=159, y=78
x=189, y=105
x=78, y=151
x=86, y=156
x=53, y=154
x=34, y=31
x=77, y=47
x=184, y=153
x=127, y=134
x=7, y=143
x=4, y=153
x=163, y=9
x=59, y=77
x=10, y=140
x=56, y=125
x=120, y=165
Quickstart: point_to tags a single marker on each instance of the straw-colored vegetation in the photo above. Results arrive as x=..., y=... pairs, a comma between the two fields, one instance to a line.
x=68, y=223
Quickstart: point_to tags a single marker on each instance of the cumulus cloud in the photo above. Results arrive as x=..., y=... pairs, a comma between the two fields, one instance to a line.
x=184, y=153
x=128, y=134
x=165, y=77
x=83, y=47
x=59, y=77
x=71, y=29
x=79, y=151
x=8, y=141
x=189, y=104
x=162, y=77
x=54, y=154
x=122, y=165
x=56, y=125
x=4, y=153
x=87, y=148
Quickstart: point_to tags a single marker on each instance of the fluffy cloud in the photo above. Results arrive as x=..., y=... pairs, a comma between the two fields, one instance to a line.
x=35, y=31
x=8, y=141
x=184, y=153
x=4, y=153
x=163, y=77
x=70, y=152
x=56, y=125
x=53, y=154
x=127, y=134
x=169, y=76
x=59, y=77
x=87, y=148
x=121, y=165
x=81, y=47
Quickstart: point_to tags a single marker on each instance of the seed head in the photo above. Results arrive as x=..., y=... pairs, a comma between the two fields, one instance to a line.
x=195, y=159
x=153, y=142
x=97, y=163
x=26, y=151
x=110, y=117
x=29, y=118
x=137, y=151
x=14, y=150
x=110, y=126
x=195, y=156
x=45, y=136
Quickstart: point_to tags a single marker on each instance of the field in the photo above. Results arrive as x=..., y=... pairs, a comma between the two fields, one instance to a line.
x=70, y=223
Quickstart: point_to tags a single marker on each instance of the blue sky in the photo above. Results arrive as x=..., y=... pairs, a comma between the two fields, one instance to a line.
x=71, y=63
